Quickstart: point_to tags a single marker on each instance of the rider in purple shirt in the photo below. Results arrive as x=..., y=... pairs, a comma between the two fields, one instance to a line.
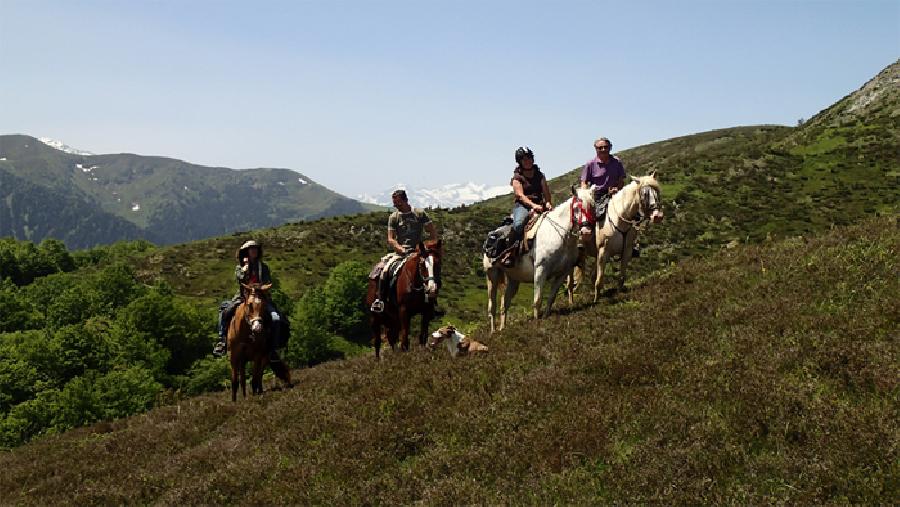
x=608, y=174
x=605, y=171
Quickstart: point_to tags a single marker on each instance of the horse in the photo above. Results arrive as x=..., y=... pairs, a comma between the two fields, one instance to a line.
x=416, y=290
x=551, y=260
x=618, y=232
x=247, y=341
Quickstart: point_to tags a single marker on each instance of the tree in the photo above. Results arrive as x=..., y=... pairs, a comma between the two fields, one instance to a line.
x=344, y=291
x=311, y=342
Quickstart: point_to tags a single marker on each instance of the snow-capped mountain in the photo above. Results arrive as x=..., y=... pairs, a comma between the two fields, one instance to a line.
x=447, y=196
x=59, y=145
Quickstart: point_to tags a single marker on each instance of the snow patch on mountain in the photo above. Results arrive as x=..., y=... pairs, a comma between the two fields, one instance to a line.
x=59, y=145
x=447, y=196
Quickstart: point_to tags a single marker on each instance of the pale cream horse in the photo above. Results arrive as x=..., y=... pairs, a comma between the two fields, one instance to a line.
x=616, y=234
x=551, y=260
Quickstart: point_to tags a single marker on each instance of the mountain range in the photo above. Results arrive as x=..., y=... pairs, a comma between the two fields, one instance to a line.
x=446, y=196
x=50, y=190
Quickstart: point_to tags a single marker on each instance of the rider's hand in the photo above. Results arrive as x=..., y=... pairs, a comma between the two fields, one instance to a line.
x=548, y=207
x=612, y=190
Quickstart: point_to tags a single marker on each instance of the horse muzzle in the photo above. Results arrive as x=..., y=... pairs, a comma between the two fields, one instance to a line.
x=256, y=325
x=657, y=216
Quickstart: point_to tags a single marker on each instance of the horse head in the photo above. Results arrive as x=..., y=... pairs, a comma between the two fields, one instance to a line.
x=255, y=301
x=583, y=206
x=430, y=265
x=649, y=197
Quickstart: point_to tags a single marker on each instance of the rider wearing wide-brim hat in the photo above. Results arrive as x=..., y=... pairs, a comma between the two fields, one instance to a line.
x=250, y=269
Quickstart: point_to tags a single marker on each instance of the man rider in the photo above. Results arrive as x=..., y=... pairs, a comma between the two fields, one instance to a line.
x=404, y=233
x=608, y=174
x=249, y=270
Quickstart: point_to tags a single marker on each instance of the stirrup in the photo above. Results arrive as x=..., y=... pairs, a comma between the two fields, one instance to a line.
x=377, y=306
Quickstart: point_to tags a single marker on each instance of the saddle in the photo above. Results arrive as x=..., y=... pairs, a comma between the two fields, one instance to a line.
x=500, y=247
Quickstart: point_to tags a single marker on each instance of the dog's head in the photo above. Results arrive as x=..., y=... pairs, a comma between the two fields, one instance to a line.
x=449, y=334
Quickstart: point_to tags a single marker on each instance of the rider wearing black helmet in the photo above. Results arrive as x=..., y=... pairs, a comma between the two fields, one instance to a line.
x=532, y=194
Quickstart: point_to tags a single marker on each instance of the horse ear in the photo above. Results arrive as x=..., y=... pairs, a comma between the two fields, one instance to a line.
x=574, y=193
x=634, y=178
x=653, y=174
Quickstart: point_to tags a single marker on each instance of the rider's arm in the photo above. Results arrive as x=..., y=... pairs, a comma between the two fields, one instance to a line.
x=548, y=197
x=392, y=242
x=520, y=195
x=584, y=176
x=240, y=274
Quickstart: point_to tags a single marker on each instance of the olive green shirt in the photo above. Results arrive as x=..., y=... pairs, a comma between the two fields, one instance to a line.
x=408, y=228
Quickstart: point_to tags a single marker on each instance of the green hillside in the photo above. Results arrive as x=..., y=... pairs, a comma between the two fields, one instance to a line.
x=754, y=360
x=101, y=199
x=773, y=379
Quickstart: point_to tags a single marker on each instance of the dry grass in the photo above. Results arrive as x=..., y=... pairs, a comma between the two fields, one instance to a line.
x=763, y=374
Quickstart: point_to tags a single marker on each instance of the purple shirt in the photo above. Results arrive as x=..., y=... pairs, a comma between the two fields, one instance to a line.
x=603, y=175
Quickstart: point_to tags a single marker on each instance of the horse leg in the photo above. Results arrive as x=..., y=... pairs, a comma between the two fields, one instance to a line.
x=512, y=286
x=539, y=279
x=405, y=319
x=375, y=329
x=492, y=295
x=427, y=317
x=256, y=380
x=628, y=243
x=555, y=283
x=601, y=266
x=234, y=377
x=243, y=371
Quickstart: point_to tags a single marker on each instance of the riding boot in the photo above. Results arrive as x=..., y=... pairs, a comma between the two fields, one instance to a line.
x=220, y=348
x=378, y=304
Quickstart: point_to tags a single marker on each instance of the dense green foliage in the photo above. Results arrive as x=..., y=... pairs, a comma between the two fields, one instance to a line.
x=95, y=344
x=87, y=346
x=23, y=261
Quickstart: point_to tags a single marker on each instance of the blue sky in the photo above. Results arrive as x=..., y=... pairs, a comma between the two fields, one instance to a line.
x=362, y=95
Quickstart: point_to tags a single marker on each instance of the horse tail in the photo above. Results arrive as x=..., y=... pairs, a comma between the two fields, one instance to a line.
x=282, y=372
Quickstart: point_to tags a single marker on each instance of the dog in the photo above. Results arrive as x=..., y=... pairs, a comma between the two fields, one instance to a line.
x=457, y=343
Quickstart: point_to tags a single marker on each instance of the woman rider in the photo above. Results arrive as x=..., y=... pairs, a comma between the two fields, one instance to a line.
x=249, y=270
x=532, y=194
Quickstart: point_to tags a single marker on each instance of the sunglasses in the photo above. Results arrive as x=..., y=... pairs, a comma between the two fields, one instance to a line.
x=601, y=148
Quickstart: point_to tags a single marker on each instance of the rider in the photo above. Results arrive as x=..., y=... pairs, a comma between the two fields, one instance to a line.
x=532, y=194
x=404, y=233
x=608, y=174
x=249, y=270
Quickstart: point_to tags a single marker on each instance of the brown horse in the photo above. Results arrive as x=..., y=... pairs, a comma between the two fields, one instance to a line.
x=415, y=293
x=248, y=341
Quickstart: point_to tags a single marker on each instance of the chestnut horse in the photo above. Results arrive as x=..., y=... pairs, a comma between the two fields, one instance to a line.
x=416, y=290
x=248, y=335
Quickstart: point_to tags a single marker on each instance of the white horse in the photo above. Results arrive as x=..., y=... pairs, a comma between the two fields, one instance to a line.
x=551, y=260
x=617, y=233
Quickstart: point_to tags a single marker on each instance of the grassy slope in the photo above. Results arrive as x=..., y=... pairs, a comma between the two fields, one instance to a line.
x=774, y=378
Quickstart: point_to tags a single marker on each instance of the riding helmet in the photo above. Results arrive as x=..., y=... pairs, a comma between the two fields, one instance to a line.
x=522, y=152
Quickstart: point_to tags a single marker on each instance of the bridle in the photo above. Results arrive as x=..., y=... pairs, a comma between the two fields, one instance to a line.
x=580, y=215
x=648, y=202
